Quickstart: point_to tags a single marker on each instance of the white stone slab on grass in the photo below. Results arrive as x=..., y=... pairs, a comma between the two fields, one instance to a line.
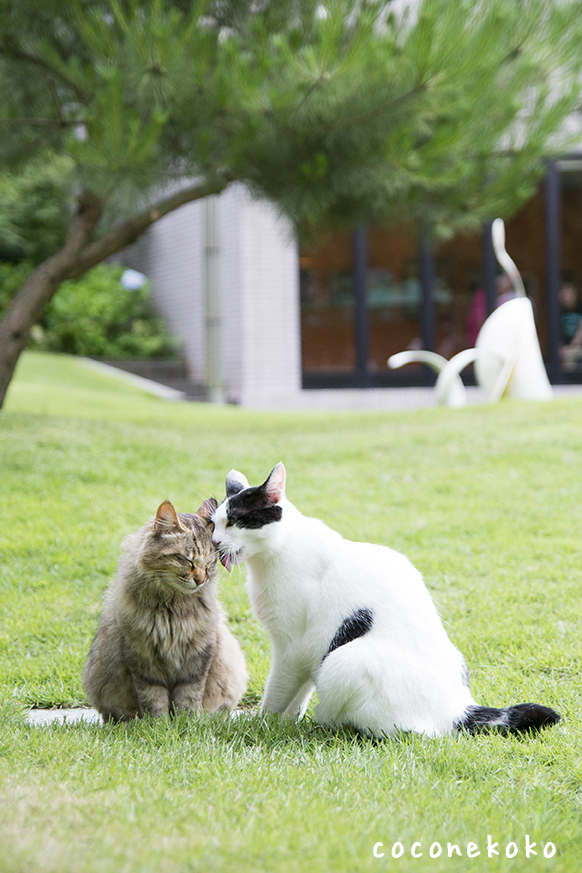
x=40, y=717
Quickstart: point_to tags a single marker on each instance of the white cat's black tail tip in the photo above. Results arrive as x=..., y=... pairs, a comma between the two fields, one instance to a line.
x=518, y=719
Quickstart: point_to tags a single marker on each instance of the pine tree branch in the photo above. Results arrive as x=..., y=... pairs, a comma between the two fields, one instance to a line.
x=127, y=232
x=378, y=110
x=42, y=122
x=311, y=90
x=19, y=53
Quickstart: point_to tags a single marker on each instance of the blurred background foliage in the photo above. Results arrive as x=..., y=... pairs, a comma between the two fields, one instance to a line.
x=36, y=204
x=97, y=315
x=94, y=315
x=339, y=112
x=437, y=113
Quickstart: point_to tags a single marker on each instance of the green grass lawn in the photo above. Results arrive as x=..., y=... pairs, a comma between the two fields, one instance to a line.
x=486, y=501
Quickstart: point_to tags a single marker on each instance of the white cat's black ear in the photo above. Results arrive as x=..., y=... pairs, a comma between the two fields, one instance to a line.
x=235, y=482
x=166, y=517
x=275, y=484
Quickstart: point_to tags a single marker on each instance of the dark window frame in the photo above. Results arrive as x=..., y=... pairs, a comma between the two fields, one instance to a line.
x=361, y=377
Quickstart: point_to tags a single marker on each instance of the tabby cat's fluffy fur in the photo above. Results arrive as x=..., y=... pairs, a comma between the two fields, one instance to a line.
x=163, y=645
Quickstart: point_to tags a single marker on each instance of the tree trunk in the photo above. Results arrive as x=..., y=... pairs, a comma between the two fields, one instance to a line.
x=38, y=290
x=77, y=256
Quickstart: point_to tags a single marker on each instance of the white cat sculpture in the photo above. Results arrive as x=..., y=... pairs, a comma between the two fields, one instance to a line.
x=507, y=356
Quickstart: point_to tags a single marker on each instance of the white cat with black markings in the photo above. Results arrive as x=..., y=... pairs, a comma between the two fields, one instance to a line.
x=353, y=621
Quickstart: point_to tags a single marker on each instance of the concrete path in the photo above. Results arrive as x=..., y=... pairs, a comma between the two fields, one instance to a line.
x=370, y=399
x=156, y=388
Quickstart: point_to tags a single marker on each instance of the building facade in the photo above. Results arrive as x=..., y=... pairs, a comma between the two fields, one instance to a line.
x=266, y=323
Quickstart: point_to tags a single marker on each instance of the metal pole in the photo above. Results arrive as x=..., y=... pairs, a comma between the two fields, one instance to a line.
x=426, y=276
x=489, y=267
x=360, y=260
x=213, y=370
x=552, y=210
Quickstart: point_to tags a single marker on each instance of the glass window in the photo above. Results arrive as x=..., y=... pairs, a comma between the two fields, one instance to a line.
x=395, y=301
x=394, y=295
x=460, y=299
x=327, y=305
x=460, y=305
x=571, y=285
x=526, y=244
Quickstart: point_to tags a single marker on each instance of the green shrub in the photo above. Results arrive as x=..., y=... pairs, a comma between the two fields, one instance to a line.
x=35, y=209
x=11, y=278
x=96, y=315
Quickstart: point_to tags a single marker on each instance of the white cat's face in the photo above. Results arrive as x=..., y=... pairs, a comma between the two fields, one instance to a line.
x=243, y=521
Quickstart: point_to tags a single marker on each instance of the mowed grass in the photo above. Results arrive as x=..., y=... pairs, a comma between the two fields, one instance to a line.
x=486, y=501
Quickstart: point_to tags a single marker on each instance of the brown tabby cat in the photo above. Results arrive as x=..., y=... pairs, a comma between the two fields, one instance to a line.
x=163, y=644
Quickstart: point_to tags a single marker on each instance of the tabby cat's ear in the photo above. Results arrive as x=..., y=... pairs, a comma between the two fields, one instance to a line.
x=275, y=484
x=235, y=482
x=166, y=517
x=207, y=509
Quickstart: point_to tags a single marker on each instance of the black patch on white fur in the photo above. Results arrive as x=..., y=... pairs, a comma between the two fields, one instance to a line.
x=252, y=508
x=356, y=625
x=512, y=720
